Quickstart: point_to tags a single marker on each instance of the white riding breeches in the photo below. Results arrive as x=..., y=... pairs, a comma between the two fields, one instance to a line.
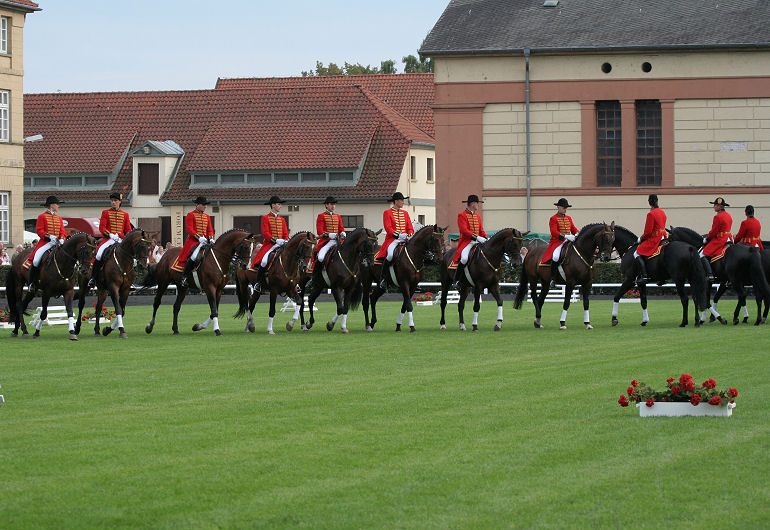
x=557, y=252
x=265, y=258
x=195, y=252
x=326, y=248
x=40, y=252
x=466, y=252
x=100, y=252
x=392, y=249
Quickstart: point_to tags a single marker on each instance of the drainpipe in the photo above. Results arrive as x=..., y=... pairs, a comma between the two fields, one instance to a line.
x=526, y=133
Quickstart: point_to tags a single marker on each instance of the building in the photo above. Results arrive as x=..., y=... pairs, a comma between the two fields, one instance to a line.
x=12, y=17
x=602, y=102
x=237, y=144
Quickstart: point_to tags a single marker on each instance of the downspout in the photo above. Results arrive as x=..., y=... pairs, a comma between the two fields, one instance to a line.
x=526, y=133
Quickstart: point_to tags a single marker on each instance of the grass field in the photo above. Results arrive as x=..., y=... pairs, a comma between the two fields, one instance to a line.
x=435, y=429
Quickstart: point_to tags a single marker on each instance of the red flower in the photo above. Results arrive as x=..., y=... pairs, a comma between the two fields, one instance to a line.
x=695, y=399
x=689, y=385
x=733, y=392
x=623, y=402
x=649, y=402
x=670, y=380
x=685, y=377
x=634, y=383
x=675, y=390
x=630, y=391
x=716, y=400
x=665, y=399
x=709, y=383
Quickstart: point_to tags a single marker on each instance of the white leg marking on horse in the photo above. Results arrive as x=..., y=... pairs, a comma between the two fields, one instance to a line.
x=745, y=311
x=500, y=313
x=713, y=307
x=270, y=324
x=206, y=323
x=335, y=318
x=400, y=318
x=615, y=306
x=295, y=316
x=645, y=316
x=71, y=322
x=714, y=311
x=216, y=322
x=703, y=314
x=411, y=319
x=114, y=323
x=344, y=322
x=120, y=321
x=475, y=318
x=586, y=317
x=563, y=315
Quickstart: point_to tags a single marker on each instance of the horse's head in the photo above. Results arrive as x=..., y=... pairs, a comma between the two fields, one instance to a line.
x=82, y=247
x=305, y=243
x=435, y=243
x=242, y=252
x=605, y=241
x=136, y=245
x=624, y=239
x=513, y=246
x=367, y=250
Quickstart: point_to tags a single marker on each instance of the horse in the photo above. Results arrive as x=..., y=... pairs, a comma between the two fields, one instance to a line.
x=212, y=274
x=482, y=272
x=741, y=266
x=677, y=260
x=341, y=271
x=282, y=276
x=58, y=276
x=406, y=271
x=577, y=266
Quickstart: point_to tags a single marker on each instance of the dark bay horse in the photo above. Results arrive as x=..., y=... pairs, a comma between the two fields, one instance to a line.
x=677, y=260
x=341, y=272
x=211, y=275
x=282, y=277
x=578, y=267
x=408, y=269
x=116, y=277
x=484, y=270
x=741, y=266
x=59, y=273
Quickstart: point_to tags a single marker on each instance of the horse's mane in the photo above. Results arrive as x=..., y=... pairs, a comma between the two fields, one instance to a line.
x=137, y=229
x=589, y=227
x=513, y=230
x=298, y=234
x=689, y=232
x=432, y=227
x=231, y=230
x=624, y=231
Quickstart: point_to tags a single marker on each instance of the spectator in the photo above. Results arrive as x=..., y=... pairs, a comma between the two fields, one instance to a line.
x=157, y=253
x=4, y=259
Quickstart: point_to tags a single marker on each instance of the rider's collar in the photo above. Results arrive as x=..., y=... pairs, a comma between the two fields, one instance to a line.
x=51, y=212
x=469, y=211
x=330, y=213
x=116, y=209
x=395, y=209
x=274, y=213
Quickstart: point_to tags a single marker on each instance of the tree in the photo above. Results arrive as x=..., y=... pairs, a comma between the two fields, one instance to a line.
x=413, y=65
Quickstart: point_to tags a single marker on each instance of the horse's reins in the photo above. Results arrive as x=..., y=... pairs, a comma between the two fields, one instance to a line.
x=131, y=256
x=590, y=266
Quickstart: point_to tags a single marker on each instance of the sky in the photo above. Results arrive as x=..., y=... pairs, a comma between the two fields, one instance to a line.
x=110, y=45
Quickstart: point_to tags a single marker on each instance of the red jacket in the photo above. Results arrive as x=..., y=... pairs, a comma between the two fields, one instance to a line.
x=114, y=222
x=273, y=228
x=749, y=233
x=470, y=228
x=328, y=223
x=654, y=231
x=47, y=223
x=395, y=222
x=197, y=224
x=719, y=234
x=560, y=225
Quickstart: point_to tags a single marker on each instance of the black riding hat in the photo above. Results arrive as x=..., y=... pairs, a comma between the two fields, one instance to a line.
x=720, y=201
x=51, y=199
x=330, y=200
x=563, y=203
x=200, y=199
x=472, y=198
x=116, y=195
x=274, y=200
x=398, y=196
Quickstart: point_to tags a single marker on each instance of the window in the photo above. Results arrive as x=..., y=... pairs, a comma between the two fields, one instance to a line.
x=274, y=179
x=4, y=35
x=352, y=221
x=649, y=164
x=4, y=114
x=430, y=170
x=287, y=177
x=259, y=178
x=148, y=179
x=232, y=179
x=421, y=218
x=5, y=216
x=609, y=166
x=250, y=223
x=412, y=168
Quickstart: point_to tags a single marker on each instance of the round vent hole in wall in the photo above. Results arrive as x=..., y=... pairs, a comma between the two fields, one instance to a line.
x=606, y=68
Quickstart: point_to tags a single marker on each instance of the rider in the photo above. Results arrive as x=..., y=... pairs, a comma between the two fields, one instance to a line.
x=471, y=233
x=398, y=227
x=654, y=232
x=275, y=233
x=718, y=237
x=330, y=229
x=50, y=229
x=199, y=231
x=114, y=224
x=562, y=229
x=749, y=230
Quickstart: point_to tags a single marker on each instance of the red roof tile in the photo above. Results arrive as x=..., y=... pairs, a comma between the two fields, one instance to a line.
x=24, y=3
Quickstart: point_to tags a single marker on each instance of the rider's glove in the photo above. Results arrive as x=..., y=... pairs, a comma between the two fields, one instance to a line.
x=705, y=240
x=280, y=242
x=211, y=240
x=343, y=235
x=569, y=237
x=480, y=239
x=639, y=239
x=402, y=236
x=332, y=236
x=202, y=239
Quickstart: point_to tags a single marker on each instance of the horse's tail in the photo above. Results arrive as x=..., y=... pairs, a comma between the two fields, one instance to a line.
x=10, y=293
x=521, y=292
x=698, y=279
x=758, y=278
x=150, y=279
x=243, y=297
x=357, y=295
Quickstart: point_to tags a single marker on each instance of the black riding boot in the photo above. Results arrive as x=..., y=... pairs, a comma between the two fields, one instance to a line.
x=383, y=284
x=95, y=268
x=34, y=274
x=707, y=268
x=554, y=272
x=188, y=268
x=260, y=278
x=641, y=264
x=458, y=276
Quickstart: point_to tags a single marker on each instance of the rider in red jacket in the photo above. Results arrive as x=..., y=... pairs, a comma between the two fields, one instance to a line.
x=654, y=232
x=718, y=237
x=749, y=230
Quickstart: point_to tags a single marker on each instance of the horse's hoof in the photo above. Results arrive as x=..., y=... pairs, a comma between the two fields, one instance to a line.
x=745, y=320
x=538, y=325
x=196, y=327
x=442, y=326
x=722, y=321
x=588, y=325
x=398, y=327
x=757, y=323
x=712, y=318
x=412, y=329
x=250, y=327
x=698, y=324
x=736, y=322
x=25, y=336
x=475, y=327
x=289, y=325
x=148, y=329
x=123, y=335
x=498, y=326
x=106, y=331
x=369, y=328
x=270, y=332
x=14, y=334
x=73, y=336
x=684, y=325
x=344, y=330
x=305, y=328
x=218, y=333
x=329, y=326
x=614, y=322
x=97, y=334
x=644, y=323
x=563, y=326
x=764, y=321
x=36, y=335
x=462, y=327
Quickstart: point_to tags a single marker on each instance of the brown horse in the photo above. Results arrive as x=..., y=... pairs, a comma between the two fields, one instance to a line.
x=211, y=275
x=116, y=277
x=58, y=275
x=283, y=276
x=482, y=272
x=578, y=267
x=406, y=271
x=341, y=272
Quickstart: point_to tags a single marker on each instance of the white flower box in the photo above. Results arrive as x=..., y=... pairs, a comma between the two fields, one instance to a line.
x=664, y=408
x=630, y=301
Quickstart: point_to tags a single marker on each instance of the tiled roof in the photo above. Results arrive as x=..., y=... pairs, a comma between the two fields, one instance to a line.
x=22, y=3
x=411, y=95
x=488, y=26
x=220, y=130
